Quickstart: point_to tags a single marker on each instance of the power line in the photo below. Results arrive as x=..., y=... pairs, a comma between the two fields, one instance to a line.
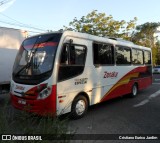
x=4, y=2
x=21, y=24
x=13, y=24
x=18, y=23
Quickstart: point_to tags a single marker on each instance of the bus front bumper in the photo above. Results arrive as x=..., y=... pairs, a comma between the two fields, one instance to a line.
x=44, y=107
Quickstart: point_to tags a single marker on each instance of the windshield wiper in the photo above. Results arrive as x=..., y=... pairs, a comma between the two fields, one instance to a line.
x=25, y=67
x=32, y=54
x=30, y=57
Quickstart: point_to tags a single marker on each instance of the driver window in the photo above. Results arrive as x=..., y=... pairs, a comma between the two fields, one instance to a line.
x=64, y=55
x=72, y=61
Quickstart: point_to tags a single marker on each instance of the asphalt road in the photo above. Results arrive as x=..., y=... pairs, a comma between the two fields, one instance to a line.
x=124, y=115
x=121, y=116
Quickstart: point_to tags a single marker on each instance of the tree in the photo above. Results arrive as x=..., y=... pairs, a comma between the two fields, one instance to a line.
x=157, y=57
x=144, y=35
x=101, y=25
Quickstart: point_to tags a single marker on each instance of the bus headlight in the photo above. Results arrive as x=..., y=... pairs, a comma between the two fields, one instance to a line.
x=45, y=93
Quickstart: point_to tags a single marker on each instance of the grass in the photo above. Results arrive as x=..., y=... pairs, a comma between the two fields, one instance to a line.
x=21, y=123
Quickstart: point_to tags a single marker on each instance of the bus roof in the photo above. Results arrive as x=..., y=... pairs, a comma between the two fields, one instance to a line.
x=109, y=40
x=114, y=41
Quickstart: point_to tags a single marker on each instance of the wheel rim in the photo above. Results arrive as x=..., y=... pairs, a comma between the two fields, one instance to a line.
x=134, y=90
x=80, y=107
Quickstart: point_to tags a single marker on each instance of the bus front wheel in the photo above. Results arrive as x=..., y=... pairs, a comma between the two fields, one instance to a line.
x=79, y=107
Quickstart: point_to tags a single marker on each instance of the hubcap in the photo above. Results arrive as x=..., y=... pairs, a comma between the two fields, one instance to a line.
x=134, y=90
x=80, y=107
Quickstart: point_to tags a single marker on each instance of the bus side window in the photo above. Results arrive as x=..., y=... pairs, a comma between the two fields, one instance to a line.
x=103, y=54
x=72, y=61
x=123, y=55
x=147, y=57
x=137, y=57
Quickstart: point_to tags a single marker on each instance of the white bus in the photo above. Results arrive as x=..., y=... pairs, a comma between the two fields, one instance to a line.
x=61, y=72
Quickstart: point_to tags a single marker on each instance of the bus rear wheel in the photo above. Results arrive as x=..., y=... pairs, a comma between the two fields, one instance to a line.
x=79, y=107
x=134, y=90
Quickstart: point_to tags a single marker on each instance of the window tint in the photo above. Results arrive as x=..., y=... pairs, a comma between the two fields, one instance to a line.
x=74, y=55
x=137, y=57
x=72, y=61
x=147, y=57
x=123, y=55
x=103, y=54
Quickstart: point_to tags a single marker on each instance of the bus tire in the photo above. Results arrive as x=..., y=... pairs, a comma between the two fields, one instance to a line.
x=134, y=90
x=79, y=107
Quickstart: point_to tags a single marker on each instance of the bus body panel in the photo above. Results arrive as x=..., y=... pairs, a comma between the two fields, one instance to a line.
x=98, y=82
x=68, y=89
x=25, y=98
x=102, y=83
x=124, y=84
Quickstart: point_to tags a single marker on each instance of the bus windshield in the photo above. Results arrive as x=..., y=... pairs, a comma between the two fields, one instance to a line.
x=36, y=55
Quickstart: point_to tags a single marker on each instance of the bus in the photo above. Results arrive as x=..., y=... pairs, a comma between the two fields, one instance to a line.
x=66, y=72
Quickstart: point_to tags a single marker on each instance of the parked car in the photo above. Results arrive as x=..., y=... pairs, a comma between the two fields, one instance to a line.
x=156, y=69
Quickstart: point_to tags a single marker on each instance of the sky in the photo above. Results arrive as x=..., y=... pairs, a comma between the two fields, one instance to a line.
x=54, y=14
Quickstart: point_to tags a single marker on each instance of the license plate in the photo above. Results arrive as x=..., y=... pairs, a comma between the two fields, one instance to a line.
x=20, y=101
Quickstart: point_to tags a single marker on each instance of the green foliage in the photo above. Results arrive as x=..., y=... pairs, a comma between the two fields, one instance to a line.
x=157, y=54
x=22, y=123
x=144, y=35
x=102, y=25
x=154, y=56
